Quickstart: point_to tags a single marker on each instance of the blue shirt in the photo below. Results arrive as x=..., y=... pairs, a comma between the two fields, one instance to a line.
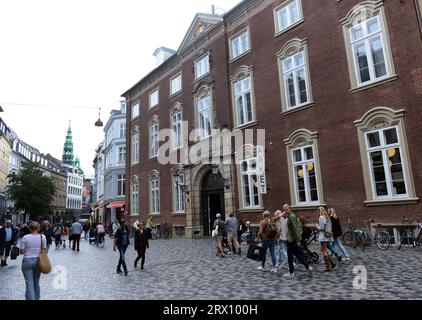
x=8, y=234
x=231, y=224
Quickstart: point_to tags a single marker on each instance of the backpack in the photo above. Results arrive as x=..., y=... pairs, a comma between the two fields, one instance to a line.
x=270, y=230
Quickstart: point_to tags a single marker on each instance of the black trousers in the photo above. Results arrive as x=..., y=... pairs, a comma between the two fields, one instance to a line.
x=294, y=250
x=122, y=259
x=141, y=255
x=76, y=240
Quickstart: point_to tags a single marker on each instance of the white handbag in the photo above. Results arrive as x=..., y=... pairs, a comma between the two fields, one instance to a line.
x=215, y=231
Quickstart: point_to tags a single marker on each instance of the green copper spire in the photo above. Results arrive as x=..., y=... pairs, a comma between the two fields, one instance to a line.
x=78, y=166
x=68, y=148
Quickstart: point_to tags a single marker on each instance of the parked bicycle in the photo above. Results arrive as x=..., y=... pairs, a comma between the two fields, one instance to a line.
x=407, y=234
x=355, y=236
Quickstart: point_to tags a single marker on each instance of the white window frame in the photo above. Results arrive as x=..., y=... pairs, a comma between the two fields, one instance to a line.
x=202, y=66
x=154, y=142
x=122, y=131
x=290, y=22
x=178, y=194
x=250, y=174
x=134, y=199
x=361, y=14
x=304, y=164
x=135, y=149
x=121, y=184
x=383, y=148
x=174, y=89
x=244, y=90
x=203, y=110
x=135, y=110
x=176, y=130
x=122, y=155
x=240, y=44
x=154, y=98
x=366, y=38
x=295, y=70
x=154, y=196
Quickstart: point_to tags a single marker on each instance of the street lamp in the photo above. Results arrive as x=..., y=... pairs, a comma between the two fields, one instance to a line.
x=99, y=123
x=215, y=171
x=180, y=183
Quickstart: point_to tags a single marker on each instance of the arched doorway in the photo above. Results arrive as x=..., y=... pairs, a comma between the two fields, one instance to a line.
x=212, y=200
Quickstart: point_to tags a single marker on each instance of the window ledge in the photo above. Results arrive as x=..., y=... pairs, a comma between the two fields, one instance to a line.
x=153, y=107
x=154, y=214
x=175, y=94
x=374, y=203
x=252, y=210
x=246, y=125
x=305, y=106
x=240, y=56
x=374, y=84
x=279, y=33
x=308, y=207
x=201, y=77
x=178, y=213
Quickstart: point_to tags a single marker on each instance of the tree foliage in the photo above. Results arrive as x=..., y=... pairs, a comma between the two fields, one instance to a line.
x=31, y=190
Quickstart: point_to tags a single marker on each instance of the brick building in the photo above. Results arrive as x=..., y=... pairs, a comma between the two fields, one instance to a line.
x=337, y=86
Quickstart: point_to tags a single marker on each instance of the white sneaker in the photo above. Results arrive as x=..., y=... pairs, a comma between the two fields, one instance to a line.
x=289, y=275
x=347, y=259
x=261, y=269
x=273, y=270
x=310, y=269
x=278, y=265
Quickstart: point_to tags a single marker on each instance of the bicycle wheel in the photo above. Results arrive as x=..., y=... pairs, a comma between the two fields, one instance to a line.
x=315, y=257
x=349, y=239
x=382, y=239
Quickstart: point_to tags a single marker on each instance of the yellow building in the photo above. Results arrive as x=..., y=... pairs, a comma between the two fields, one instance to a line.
x=5, y=151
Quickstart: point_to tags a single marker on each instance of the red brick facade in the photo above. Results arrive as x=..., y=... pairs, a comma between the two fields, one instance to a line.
x=332, y=115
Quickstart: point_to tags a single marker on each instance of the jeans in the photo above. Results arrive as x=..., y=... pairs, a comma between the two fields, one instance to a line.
x=32, y=274
x=86, y=234
x=337, y=241
x=122, y=261
x=282, y=247
x=76, y=240
x=141, y=255
x=293, y=250
x=271, y=245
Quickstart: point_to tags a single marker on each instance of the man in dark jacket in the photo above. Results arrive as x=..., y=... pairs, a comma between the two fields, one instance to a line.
x=7, y=239
x=121, y=242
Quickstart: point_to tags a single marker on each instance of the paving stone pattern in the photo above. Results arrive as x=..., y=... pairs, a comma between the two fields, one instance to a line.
x=189, y=270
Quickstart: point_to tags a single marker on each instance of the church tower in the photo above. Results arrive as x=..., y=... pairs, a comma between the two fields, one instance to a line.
x=68, y=148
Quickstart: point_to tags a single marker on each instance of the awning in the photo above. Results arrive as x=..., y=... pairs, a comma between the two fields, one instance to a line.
x=116, y=204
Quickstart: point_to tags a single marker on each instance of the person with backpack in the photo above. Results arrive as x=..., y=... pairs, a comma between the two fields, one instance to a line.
x=268, y=233
x=293, y=242
x=57, y=231
x=219, y=229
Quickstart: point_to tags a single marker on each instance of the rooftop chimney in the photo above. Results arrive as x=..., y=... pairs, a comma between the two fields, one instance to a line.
x=162, y=54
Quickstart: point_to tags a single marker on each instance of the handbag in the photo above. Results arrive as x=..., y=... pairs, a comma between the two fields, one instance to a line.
x=255, y=252
x=328, y=234
x=14, y=253
x=43, y=262
x=215, y=231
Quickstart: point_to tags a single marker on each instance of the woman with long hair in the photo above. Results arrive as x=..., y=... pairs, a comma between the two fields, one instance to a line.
x=325, y=236
x=335, y=221
x=141, y=244
x=31, y=247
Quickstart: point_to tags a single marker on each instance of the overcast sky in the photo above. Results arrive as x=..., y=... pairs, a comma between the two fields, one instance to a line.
x=81, y=53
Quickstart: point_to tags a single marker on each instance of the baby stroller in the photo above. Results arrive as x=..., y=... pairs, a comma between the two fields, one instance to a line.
x=308, y=236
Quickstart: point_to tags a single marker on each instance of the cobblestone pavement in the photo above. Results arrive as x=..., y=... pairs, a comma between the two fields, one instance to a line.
x=189, y=270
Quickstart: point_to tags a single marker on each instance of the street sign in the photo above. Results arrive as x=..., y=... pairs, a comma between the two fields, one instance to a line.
x=262, y=180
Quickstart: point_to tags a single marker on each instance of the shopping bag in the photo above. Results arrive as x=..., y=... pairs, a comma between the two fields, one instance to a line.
x=255, y=252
